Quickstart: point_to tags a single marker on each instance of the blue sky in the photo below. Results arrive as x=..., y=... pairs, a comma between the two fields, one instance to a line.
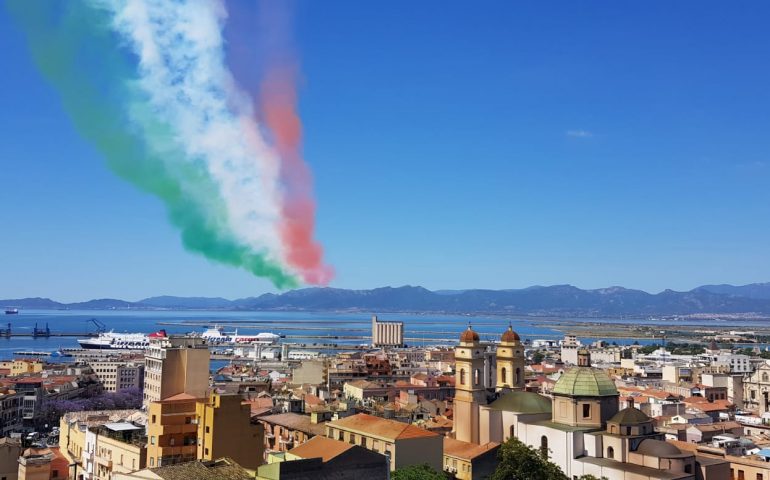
x=591, y=143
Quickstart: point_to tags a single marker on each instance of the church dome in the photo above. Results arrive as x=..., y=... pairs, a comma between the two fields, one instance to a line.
x=522, y=402
x=630, y=416
x=509, y=336
x=585, y=382
x=469, y=336
x=660, y=449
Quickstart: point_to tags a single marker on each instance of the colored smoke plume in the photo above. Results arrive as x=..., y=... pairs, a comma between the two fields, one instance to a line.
x=147, y=82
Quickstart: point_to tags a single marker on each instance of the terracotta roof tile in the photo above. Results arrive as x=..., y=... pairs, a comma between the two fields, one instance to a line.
x=466, y=450
x=321, y=447
x=380, y=427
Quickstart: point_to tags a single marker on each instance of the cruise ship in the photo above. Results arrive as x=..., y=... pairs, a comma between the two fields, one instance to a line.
x=216, y=335
x=119, y=341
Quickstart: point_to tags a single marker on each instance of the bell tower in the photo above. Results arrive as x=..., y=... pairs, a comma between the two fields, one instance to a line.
x=469, y=386
x=510, y=362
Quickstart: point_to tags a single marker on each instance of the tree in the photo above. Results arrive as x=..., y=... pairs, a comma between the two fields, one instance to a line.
x=518, y=461
x=537, y=357
x=418, y=472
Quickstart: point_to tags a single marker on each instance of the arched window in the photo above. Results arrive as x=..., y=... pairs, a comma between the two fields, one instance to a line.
x=504, y=375
x=462, y=376
x=477, y=377
x=518, y=372
x=610, y=452
x=544, y=446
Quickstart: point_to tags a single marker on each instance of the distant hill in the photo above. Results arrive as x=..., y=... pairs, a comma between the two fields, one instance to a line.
x=555, y=300
x=203, y=303
x=752, y=290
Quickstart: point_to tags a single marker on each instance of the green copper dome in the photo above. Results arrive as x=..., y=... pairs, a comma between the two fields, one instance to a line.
x=522, y=402
x=585, y=382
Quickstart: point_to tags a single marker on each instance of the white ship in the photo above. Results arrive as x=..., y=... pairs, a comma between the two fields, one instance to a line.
x=216, y=335
x=119, y=341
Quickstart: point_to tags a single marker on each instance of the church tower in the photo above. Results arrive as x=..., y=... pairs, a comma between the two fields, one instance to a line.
x=469, y=386
x=510, y=362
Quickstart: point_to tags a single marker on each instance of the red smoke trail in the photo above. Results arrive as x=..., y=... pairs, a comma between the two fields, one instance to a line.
x=278, y=104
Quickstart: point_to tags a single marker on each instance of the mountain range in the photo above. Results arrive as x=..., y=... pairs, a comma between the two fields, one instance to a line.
x=554, y=300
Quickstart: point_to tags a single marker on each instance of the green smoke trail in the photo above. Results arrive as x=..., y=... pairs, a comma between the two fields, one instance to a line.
x=77, y=53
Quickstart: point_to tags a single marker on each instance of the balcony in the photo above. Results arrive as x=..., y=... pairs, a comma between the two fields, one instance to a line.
x=104, y=461
x=180, y=428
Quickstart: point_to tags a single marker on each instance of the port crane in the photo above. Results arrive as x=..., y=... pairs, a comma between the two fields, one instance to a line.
x=100, y=327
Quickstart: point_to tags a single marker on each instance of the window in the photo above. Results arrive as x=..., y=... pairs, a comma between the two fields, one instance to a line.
x=208, y=429
x=741, y=475
x=462, y=378
x=759, y=475
x=54, y=474
x=152, y=461
x=476, y=377
x=503, y=375
x=340, y=435
x=171, y=441
x=154, y=419
x=152, y=440
x=206, y=451
x=610, y=452
x=764, y=377
x=544, y=446
x=512, y=432
x=187, y=420
x=518, y=375
x=586, y=410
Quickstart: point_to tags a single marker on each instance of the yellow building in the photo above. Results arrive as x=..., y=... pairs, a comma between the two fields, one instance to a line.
x=183, y=428
x=113, y=448
x=172, y=430
x=406, y=444
x=469, y=461
x=225, y=430
x=26, y=365
x=175, y=365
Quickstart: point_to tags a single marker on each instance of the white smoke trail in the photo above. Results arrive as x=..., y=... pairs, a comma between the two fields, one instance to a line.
x=183, y=74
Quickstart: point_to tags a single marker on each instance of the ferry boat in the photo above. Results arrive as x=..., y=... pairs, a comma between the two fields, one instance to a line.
x=216, y=335
x=120, y=341
x=11, y=311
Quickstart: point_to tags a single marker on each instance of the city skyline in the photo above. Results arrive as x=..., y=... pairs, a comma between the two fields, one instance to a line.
x=592, y=145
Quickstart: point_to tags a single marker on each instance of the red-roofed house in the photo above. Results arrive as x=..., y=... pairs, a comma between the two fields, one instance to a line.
x=407, y=444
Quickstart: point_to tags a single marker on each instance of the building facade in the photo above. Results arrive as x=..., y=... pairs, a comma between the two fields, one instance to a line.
x=175, y=365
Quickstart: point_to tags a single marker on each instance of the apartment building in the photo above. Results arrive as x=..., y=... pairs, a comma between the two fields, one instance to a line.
x=11, y=411
x=406, y=444
x=116, y=447
x=172, y=430
x=175, y=365
x=117, y=374
x=225, y=430
x=184, y=428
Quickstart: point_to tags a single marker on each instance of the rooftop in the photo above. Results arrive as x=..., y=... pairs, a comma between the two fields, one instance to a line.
x=295, y=421
x=465, y=450
x=321, y=447
x=630, y=416
x=522, y=402
x=380, y=427
x=585, y=382
x=221, y=469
